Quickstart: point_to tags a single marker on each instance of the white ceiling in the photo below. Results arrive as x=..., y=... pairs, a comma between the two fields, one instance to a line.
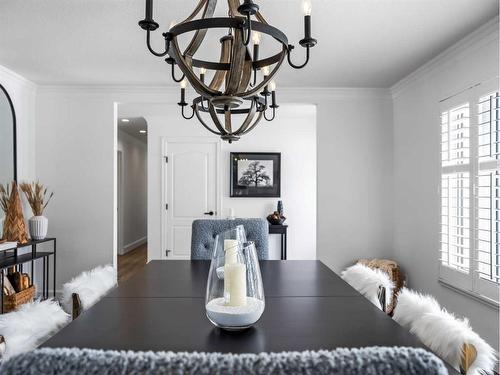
x=362, y=43
x=133, y=127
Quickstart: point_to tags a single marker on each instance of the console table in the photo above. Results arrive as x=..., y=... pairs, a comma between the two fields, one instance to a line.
x=10, y=258
x=282, y=231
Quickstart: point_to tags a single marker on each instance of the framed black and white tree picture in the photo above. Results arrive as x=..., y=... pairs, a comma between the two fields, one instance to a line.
x=255, y=174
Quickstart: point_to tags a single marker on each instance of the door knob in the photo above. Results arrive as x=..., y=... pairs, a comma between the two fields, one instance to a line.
x=211, y=213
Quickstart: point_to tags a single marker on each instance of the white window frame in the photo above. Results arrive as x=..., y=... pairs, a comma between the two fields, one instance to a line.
x=469, y=283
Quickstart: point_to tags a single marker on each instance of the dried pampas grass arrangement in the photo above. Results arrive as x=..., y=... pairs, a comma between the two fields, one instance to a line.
x=5, y=197
x=37, y=196
x=14, y=228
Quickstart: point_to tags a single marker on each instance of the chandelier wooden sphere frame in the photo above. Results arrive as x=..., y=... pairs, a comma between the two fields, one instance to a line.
x=234, y=89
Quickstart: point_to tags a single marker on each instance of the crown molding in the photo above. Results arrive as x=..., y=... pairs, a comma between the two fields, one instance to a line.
x=482, y=36
x=285, y=94
x=107, y=89
x=17, y=78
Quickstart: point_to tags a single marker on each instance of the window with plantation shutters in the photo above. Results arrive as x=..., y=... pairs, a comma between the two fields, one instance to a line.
x=470, y=192
x=488, y=190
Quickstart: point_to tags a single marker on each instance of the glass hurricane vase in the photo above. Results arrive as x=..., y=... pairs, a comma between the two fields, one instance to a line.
x=235, y=295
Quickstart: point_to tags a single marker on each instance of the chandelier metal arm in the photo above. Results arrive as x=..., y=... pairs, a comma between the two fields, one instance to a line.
x=202, y=105
x=272, y=118
x=173, y=75
x=248, y=27
x=187, y=117
x=148, y=43
x=290, y=48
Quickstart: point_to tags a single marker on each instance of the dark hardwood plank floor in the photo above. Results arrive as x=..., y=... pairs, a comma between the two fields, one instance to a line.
x=132, y=262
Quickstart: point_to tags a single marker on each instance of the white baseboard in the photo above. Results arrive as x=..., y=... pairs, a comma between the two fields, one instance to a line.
x=133, y=245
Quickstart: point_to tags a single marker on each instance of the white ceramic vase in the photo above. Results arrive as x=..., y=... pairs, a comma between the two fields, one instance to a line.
x=38, y=227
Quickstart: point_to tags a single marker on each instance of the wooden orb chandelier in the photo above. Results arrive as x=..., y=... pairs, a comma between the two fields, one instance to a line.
x=235, y=89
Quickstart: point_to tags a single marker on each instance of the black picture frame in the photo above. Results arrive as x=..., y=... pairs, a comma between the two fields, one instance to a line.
x=243, y=170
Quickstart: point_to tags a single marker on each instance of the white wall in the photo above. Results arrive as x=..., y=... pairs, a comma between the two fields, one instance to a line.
x=79, y=165
x=293, y=133
x=23, y=95
x=134, y=190
x=417, y=163
x=75, y=155
x=355, y=178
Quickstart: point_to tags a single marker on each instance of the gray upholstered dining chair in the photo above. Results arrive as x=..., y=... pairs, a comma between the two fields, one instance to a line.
x=205, y=231
x=370, y=360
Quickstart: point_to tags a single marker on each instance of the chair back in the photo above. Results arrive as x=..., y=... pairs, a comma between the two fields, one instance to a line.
x=469, y=355
x=370, y=360
x=374, y=284
x=77, y=307
x=453, y=340
x=205, y=231
x=412, y=306
x=86, y=289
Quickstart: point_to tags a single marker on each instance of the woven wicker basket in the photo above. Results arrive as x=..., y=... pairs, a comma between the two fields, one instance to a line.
x=394, y=271
x=12, y=302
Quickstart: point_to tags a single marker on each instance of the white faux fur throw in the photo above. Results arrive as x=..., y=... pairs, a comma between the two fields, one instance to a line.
x=30, y=325
x=90, y=286
x=367, y=281
x=412, y=306
x=445, y=334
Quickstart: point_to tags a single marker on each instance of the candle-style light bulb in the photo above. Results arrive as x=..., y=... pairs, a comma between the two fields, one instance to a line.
x=272, y=88
x=183, y=85
x=307, y=7
x=203, y=70
x=265, y=73
x=256, y=37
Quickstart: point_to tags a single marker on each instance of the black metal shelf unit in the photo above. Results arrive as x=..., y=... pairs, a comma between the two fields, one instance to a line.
x=10, y=258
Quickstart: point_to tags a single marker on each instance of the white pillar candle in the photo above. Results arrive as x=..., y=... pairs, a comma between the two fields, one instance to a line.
x=231, y=257
x=231, y=251
x=231, y=213
x=235, y=275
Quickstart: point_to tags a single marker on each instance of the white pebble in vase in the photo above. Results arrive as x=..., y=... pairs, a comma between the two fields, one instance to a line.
x=234, y=317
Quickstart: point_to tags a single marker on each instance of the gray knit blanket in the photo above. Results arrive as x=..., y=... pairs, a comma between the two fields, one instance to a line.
x=366, y=361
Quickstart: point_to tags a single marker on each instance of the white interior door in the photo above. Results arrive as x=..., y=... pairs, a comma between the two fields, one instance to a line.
x=191, y=190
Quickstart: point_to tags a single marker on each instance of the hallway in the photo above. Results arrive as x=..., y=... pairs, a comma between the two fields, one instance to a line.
x=132, y=262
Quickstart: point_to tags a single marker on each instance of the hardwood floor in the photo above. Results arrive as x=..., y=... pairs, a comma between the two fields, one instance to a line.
x=132, y=262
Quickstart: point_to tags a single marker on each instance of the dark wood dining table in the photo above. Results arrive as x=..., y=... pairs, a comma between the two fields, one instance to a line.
x=162, y=308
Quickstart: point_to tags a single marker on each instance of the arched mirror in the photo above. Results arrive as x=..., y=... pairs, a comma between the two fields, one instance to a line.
x=8, y=163
x=8, y=167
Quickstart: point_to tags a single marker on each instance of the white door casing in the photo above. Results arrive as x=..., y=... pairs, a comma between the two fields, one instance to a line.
x=190, y=188
x=119, y=168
